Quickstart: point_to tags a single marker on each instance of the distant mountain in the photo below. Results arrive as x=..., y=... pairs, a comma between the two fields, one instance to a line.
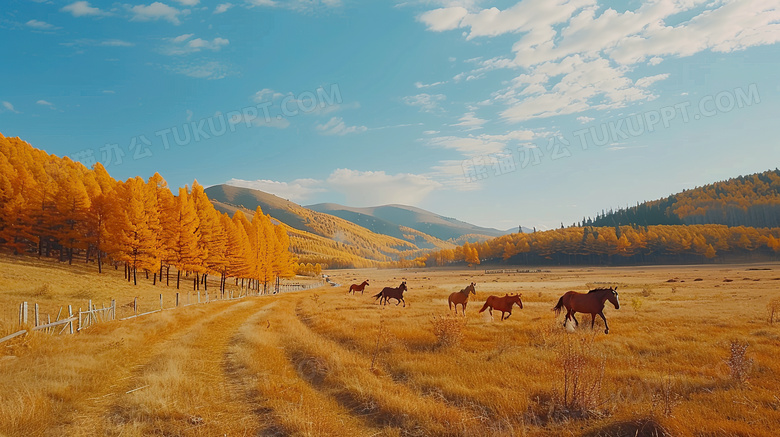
x=322, y=237
x=392, y=219
x=752, y=200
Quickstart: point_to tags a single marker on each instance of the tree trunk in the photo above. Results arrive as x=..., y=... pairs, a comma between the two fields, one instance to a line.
x=178, y=278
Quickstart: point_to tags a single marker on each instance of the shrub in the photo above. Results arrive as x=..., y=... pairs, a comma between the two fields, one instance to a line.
x=448, y=330
x=738, y=362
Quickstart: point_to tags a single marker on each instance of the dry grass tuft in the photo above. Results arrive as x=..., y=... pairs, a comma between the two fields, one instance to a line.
x=582, y=369
x=448, y=330
x=773, y=308
x=738, y=363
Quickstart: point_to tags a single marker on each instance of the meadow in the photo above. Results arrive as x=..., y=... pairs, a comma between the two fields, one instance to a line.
x=691, y=352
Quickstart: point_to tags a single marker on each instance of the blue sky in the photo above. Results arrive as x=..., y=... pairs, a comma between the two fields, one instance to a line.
x=498, y=113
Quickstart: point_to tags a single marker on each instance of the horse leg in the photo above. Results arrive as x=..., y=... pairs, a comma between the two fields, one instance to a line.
x=507, y=315
x=606, y=331
x=490, y=309
x=576, y=323
x=463, y=309
x=592, y=320
x=404, y=301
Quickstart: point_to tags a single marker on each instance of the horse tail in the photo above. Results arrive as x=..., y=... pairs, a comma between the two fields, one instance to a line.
x=558, y=307
x=377, y=296
x=484, y=307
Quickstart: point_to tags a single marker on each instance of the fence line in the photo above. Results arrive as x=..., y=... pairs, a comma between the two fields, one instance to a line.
x=499, y=271
x=93, y=314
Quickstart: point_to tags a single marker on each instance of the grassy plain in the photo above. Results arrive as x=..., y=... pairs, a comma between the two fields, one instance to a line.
x=322, y=362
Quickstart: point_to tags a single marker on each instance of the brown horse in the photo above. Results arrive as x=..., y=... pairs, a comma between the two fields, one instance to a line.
x=462, y=297
x=591, y=302
x=355, y=287
x=503, y=304
x=388, y=293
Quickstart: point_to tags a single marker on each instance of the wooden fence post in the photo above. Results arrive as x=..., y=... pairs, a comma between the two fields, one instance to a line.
x=89, y=313
x=79, y=319
x=161, y=302
x=113, y=309
x=177, y=299
x=199, y=297
x=70, y=316
x=135, y=305
x=37, y=320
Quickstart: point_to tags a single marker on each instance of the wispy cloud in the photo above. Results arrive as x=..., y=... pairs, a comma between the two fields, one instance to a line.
x=210, y=70
x=83, y=9
x=470, y=121
x=297, y=191
x=156, y=11
x=50, y=105
x=40, y=25
x=336, y=126
x=9, y=107
x=222, y=8
x=371, y=188
x=426, y=102
x=184, y=44
x=576, y=55
x=428, y=85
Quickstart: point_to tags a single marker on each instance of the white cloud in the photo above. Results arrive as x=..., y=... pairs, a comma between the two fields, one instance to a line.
x=115, y=43
x=297, y=5
x=188, y=2
x=336, y=126
x=266, y=94
x=209, y=70
x=277, y=122
x=578, y=55
x=45, y=103
x=222, y=8
x=428, y=85
x=83, y=9
x=470, y=121
x=371, y=188
x=40, y=25
x=297, y=191
x=426, y=102
x=484, y=144
x=430, y=132
x=9, y=107
x=585, y=120
x=184, y=44
x=155, y=11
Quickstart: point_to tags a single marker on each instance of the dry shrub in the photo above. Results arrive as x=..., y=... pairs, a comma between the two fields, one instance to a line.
x=636, y=303
x=773, y=308
x=448, y=330
x=647, y=292
x=738, y=362
x=583, y=374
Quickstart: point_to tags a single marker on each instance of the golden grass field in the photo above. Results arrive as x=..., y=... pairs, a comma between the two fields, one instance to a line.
x=321, y=362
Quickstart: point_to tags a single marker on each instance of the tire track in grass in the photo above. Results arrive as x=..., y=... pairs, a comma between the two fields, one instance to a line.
x=286, y=404
x=479, y=413
x=94, y=365
x=184, y=389
x=346, y=376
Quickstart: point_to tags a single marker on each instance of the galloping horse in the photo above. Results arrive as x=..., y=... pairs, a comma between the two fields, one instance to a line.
x=354, y=287
x=462, y=297
x=388, y=293
x=592, y=303
x=503, y=304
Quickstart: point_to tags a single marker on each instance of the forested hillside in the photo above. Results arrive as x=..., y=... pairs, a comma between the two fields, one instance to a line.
x=752, y=200
x=55, y=207
x=617, y=245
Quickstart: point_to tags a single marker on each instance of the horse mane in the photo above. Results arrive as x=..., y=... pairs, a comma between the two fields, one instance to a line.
x=600, y=289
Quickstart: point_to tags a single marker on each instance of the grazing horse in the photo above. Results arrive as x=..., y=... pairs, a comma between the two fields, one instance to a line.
x=591, y=302
x=503, y=304
x=355, y=287
x=462, y=297
x=388, y=293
